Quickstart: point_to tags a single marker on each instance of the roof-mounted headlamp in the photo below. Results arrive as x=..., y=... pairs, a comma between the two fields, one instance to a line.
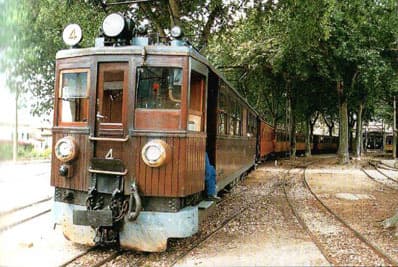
x=113, y=25
x=176, y=32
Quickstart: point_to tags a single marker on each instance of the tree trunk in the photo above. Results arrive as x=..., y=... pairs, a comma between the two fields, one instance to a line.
x=15, y=137
x=292, y=130
x=358, y=134
x=394, y=131
x=342, y=153
x=308, y=135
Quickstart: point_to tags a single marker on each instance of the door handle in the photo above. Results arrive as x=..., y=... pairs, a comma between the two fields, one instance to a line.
x=99, y=116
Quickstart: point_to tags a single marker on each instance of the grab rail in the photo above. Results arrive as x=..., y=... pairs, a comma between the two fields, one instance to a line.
x=107, y=172
x=93, y=138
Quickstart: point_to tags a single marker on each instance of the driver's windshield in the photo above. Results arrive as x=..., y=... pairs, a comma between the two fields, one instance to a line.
x=159, y=87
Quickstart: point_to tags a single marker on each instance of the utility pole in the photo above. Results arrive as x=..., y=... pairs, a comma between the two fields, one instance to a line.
x=394, y=132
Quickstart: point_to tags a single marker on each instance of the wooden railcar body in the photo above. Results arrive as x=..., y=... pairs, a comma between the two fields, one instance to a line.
x=325, y=144
x=266, y=139
x=111, y=128
x=388, y=145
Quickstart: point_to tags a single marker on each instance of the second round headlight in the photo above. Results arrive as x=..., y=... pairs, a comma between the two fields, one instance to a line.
x=155, y=153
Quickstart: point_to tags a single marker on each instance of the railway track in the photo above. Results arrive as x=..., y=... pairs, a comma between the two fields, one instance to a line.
x=94, y=257
x=22, y=214
x=383, y=172
x=301, y=221
x=383, y=178
x=382, y=165
x=178, y=249
x=348, y=246
x=276, y=191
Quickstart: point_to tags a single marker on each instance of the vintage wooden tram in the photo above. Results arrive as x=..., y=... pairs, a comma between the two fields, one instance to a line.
x=133, y=121
x=132, y=124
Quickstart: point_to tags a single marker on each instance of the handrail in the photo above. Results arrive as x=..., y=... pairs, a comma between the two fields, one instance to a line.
x=107, y=172
x=93, y=138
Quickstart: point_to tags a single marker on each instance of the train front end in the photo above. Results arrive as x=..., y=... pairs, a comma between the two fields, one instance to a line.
x=129, y=140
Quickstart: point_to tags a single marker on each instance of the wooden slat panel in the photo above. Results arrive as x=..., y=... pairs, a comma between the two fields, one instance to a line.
x=176, y=166
x=79, y=181
x=179, y=173
x=169, y=167
x=155, y=119
x=230, y=160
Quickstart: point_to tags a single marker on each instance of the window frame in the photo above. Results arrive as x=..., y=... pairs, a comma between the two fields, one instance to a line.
x=176, y=116
x=60, y=93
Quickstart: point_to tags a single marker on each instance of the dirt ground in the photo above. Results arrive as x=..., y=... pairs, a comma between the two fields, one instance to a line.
x=264, y=232
x=269, y=234
x=360, y=201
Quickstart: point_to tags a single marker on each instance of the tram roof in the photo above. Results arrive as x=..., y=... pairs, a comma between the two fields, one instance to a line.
x=150, y=50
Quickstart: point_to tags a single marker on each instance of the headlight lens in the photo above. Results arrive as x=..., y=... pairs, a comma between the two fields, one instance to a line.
x=154, y=153
x=66, y=149
x=113, y=25
x=176, y=32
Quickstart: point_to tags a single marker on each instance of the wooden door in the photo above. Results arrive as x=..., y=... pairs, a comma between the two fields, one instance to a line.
x=111, y=133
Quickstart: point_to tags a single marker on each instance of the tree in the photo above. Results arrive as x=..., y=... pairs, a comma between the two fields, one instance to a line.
x=362, y=31
x=12, y=42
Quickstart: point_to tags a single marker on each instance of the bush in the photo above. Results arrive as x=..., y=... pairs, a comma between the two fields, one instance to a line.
x=25, y=152
x=5, y=151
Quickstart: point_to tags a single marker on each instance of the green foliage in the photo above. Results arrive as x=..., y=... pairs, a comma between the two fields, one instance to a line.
x=271, y=51
x=31, y=36
x=25, y=152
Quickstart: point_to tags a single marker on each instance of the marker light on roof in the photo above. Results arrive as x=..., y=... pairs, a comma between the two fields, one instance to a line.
x=72, y=35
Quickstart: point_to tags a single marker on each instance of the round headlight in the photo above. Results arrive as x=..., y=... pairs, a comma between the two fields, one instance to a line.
x=154, y=153
x=66, y=149
x=113, y=25
x=176, y=32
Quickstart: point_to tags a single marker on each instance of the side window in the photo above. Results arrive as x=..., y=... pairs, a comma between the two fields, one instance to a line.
x=237, y=115
x=251, y=124
x=222, y=112
x=73, y=97
x=231, y=117
x=196, y=102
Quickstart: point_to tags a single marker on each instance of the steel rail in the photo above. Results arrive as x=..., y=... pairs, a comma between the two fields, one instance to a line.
x=76, y=257
x=108, y=259
x=377, y=181
x=25, y=207
x=387, y=176
x=304, y=225
x=367, y=242
x=9, y=226
x=385, y=166
x=92, y=249
x=209, y=235
x=7, y=212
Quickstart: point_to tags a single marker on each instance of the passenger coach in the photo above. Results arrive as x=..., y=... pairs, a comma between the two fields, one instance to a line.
x=133, y=121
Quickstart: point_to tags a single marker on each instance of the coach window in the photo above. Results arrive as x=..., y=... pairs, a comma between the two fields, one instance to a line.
x=73, y=97
x=158, y=97
x=196, y=102
x=231, y=117
x=237, y=115
x=251, y=125
x=222, y=113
